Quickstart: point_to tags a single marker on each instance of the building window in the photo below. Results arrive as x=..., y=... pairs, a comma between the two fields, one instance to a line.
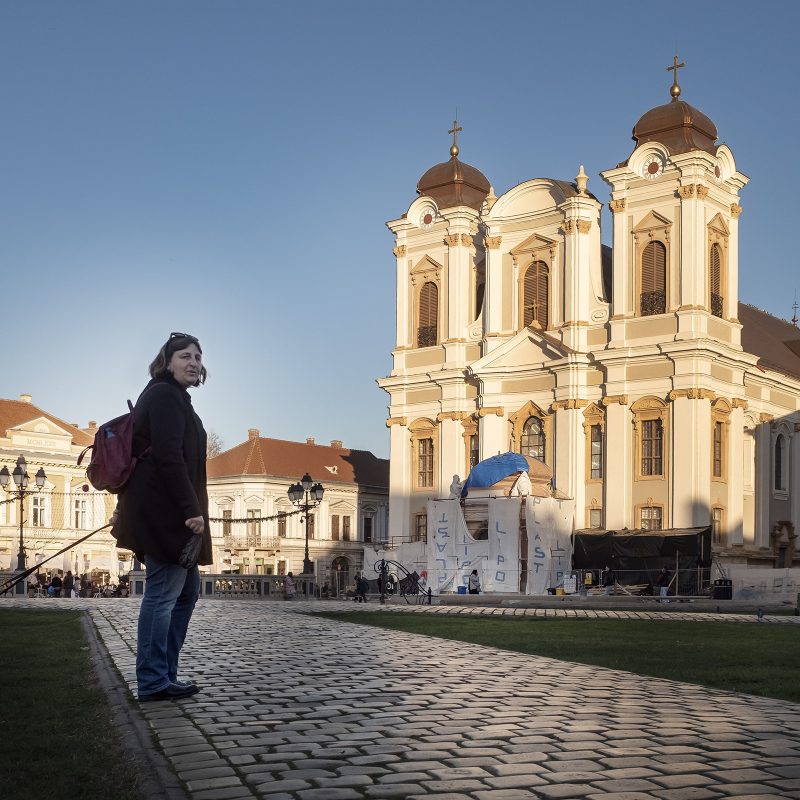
x=425, y=463
x=367, y=529
x=474, y=452
x=596, y=453
x=38, y=512
x=226, y=523
x=282, y=525
x=79, y=516
x=346, y=529
x=653, y=298
x=281, y=568
x=652, y=441
x=718, y=431
x=427, y=328
x=595, y=517
x=253, y=527
x=532, y=440
x=480, y=291
x=717, y=535
x=535, y=302
x=420, y=533
x=651, y=518
x=779, y=465
x=335, y=527
x=715, y=279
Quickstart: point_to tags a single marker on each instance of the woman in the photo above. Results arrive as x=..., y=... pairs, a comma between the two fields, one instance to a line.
x=162, y=507
x=474, y=582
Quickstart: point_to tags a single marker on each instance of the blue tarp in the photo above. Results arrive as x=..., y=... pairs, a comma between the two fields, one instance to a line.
x=494, y=469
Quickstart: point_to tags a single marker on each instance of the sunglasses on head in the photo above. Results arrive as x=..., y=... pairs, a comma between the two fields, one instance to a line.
x=177, y=335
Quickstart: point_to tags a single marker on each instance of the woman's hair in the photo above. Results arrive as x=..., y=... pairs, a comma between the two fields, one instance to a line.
x=176, y=341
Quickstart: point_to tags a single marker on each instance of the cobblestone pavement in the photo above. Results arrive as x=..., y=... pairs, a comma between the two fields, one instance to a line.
x=298, y=707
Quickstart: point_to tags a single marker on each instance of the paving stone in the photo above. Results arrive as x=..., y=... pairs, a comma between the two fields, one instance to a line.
x=323, y=713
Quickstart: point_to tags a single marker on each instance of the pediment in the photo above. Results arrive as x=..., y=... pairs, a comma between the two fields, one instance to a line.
x=253, y=500
x=40, y=433
x=426, y=264
x=533, y=244
x=718, y=224
x=652, y=220
x=529, y=348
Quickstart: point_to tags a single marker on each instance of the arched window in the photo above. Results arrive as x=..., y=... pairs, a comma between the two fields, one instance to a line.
x=715, y=279
x=535, y=303
x=779, y=446
x=480, y=291
x=427, y=330
x=532, y=439
x=653, y=298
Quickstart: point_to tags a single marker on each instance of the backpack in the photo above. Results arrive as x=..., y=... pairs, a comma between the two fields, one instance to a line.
x=112, y=462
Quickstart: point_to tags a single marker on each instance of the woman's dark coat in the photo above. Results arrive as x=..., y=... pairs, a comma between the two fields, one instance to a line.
x=168, y=485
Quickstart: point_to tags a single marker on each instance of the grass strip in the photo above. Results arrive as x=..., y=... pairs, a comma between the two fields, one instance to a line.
x=752, y=658
x=59, y=736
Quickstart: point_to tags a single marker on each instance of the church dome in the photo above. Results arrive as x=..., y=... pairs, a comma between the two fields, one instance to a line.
x=678, y=126
x=454, y=183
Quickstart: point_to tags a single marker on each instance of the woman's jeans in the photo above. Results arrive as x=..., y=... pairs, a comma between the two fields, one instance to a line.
x=169, y=598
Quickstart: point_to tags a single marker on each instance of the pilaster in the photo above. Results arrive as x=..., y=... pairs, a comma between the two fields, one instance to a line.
x=735, y=473
x=690, y=460
x=763, y=482
x=794, y=477
x=399, y=480
x=617, y=505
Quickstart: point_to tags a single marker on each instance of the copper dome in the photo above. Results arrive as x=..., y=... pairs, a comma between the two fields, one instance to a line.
x=678, y=126
x=454, y=183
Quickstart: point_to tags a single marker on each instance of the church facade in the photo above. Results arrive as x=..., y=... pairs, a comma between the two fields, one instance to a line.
x=656, y=397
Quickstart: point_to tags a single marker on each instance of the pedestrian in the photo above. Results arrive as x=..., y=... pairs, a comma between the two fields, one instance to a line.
x=289, y=587
x=56, y=584
x=608, y=580
x=662, y=582
x=162, y=514
x=77, y=587
x=362, y=587
x=69, y=584
x=474, y=583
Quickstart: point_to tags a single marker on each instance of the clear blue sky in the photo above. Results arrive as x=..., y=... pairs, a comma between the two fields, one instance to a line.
x=226, y=169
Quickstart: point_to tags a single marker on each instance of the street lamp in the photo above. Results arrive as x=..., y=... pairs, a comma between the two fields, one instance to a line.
x=21, y=479
x=306, y=495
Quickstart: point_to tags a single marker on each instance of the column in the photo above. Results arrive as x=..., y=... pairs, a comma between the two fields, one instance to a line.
x=570, y=455
x=763, y=481
x=399, y=479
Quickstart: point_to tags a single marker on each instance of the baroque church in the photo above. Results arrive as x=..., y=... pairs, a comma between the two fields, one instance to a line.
x=657, y=398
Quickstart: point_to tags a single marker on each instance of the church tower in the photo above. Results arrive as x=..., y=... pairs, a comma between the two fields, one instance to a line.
x=440, y=289
x=673, y=385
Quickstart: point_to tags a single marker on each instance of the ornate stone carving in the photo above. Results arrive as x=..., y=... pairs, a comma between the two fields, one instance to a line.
x=686, y=191
x=692, y=394
x=569, y=405
x=492, y=242
x=617, y=205
x=487, y=411
x=762, y=418
x=399, y=251
x=569, y=226
x=452, y=240
x=456, y=416
x=396, y=421
x=702, y=191
x=466, y=240
x=584, y=225
x=622, y=399
x=736, y=210
x=738, y=403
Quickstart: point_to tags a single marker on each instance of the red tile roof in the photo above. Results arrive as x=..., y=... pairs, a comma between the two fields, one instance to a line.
x=278, y=458
x=775, y=341
x=17, y=412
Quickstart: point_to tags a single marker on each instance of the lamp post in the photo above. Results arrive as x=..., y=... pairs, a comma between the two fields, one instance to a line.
x=21, y=479
x=306, y=495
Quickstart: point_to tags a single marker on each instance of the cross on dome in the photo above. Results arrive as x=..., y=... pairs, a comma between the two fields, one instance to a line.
x=455, y=130
x=675, y=90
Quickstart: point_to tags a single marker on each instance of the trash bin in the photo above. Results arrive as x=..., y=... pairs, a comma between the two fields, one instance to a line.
x=723, y=589
x=462, y=590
